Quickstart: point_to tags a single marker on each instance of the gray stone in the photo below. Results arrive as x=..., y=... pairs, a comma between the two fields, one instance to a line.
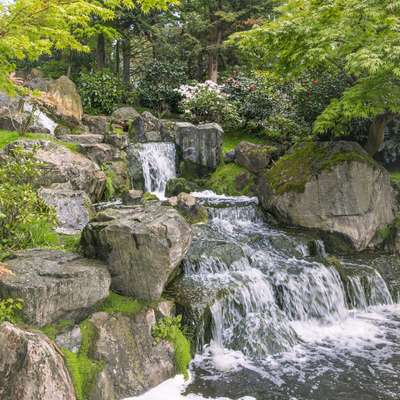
x=124, y=116
x=99, y=153
x=179, y=185
x=135, y=169
x=134, y=362
x=31, y=367
x=62, y=165
x=254, y=157
x=201, y=146
x=70, y=340
x=132, y=197
x=145, y=128
x=118, y=170
x=118, y=141
x=97, y=124
x=352, y=198
x=143, y=246
x=73, y=207
x=54, y=285
x=229, y=157
x=83, y=139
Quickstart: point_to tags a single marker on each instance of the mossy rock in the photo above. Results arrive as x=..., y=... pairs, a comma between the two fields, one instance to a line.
x=150, y=197
x=179, y=185
x=232, y=180
x=306, y=160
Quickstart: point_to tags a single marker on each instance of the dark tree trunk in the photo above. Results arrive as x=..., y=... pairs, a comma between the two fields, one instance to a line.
x=376, y=135
x=100, y=52
x=213, y=53
x=117, y=58
x=126, y=61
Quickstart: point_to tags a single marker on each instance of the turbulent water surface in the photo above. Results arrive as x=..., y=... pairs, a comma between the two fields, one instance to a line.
x=286, y=325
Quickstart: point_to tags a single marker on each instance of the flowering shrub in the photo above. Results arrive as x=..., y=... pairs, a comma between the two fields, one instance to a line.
x=206, y=102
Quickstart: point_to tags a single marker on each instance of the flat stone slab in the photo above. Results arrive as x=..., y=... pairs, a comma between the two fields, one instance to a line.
x=54, y=285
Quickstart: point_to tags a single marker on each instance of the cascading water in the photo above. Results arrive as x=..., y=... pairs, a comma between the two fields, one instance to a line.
x=41, y=119
x=283, y=325
x=158, y=163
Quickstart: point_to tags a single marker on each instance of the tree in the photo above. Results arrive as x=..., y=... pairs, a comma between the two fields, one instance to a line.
x=31, y=28
x=358, y=38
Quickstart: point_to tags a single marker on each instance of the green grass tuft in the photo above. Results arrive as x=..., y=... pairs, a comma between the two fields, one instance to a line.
x=116, y=303
x=233, y=139
x=53, y=330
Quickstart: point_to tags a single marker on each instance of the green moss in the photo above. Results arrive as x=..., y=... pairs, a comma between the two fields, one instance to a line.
x=82, y=368
x=395, y=177
x=169, y=329
x=116, y=303
x=225, y=180
x=118, y=131
x=53, y=330
x=385, y=232
x=292, y=171
x=70, y=243
x=149, y=197
x=233, y=139
x=199, y=216
x=7, y=137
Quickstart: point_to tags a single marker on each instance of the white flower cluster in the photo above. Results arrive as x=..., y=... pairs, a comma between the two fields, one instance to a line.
x=188, y=92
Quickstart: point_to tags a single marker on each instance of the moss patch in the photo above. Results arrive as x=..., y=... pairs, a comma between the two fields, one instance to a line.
x=82, y=368
x=116, y=303
x=169, y=329
x=53, y=330
x=292, y=171
x=150, y=197
x=7, y=137
x=231, y=179
x=233, y=139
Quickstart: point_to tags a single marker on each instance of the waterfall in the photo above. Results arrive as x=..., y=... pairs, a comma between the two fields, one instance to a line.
x=158, y=164
x=41, y=119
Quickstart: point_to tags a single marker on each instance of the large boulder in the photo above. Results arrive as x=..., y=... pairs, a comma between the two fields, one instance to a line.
x=135, y=168
x=86, y=138
x=179, y=185
x=100, y=153
x=142, y=245
x=254, y=157
x=62, y=165
x=124, y=117
x=134, y=362
x=54, y=285
x=200, y=147
x=73, y=207
x=97, y=124
x=333, y=187
x=31, y=367
x=64, y=100
x=145, y=128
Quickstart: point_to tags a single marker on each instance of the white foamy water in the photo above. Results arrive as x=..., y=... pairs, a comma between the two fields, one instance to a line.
x=41, y=118
x=158, y=163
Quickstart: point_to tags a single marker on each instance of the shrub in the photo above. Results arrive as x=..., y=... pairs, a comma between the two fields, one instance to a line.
x=169, y=328
x=9, y=309
x=101, y=92
x=25, y=219
x=157, y=89
x=205, y=102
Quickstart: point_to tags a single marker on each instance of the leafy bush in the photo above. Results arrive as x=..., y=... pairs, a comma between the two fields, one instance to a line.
x=157, y=89
x=101, y=92
x=169, y=328
x=25, y=219
x=205, y=102
x=9, y=309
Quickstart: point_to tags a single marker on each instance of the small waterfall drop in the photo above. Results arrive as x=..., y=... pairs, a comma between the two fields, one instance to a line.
x=158, y=163
x=41, y=119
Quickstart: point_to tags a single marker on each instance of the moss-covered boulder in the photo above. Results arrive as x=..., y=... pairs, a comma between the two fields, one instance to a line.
x=335, y=187
x=191, y=209
x=254, y=157
x=232, y=180
x=179, y=185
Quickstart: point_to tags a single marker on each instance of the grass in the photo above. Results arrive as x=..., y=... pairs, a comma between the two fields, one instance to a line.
x=231, y=140
x=53, y=330
x=395, y=177
x=224, y=180
x=7, y=137
x=116, y=303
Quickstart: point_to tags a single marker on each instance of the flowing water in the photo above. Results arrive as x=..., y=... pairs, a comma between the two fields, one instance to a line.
x=41, y=119
x=282, y=324
x=158, y=163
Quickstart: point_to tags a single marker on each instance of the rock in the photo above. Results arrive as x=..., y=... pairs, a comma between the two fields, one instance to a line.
x=142, y=245
x=168, y=130
x=118, y=171
x=62, y=165
x=118, y=141
x=179, y=185
x=54, y=285
x=38, y=83
x=134, y=363
x=19, y=121
x=124, y=116
x=31, y=368
x=333, y=187
x=70, y=340
x=97, y=124
x=135, y=169
x=145, y=128
x=254, y=157
x=64, y=99
x=132, y=197
x=191, y=210
x=229, y=157
x=99, y=153
x=201, y=147
x=73, y=207
x=83, y=139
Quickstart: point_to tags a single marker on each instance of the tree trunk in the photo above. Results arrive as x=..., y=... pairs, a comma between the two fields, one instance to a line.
x=117, y=60
x=376, y=135
x=100, y=52
x=213, y=52
x=126, y=61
